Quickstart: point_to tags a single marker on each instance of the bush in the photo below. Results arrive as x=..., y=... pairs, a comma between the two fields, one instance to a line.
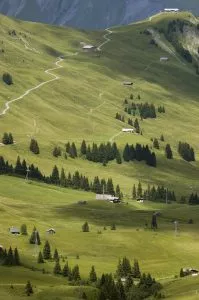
x=7, y=78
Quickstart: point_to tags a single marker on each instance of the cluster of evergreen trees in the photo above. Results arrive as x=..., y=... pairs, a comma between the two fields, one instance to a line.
x=145, y=110
x=35, y=238
x=153, y=193
x=186, y=151
x=74, y=181
x=71, y=150
x=126, y=289
x=120, y=117
x=161, y=109
x=139, y=153
x=7, y=139
x=56, y=151
x=193, y=199
x=102, y=153
x=34, y=147
x=10, y=257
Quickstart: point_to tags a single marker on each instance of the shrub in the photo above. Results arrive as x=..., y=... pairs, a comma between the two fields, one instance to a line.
x=7, y=78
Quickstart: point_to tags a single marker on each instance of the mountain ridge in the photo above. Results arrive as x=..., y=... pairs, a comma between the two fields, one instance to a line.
x=89, y=14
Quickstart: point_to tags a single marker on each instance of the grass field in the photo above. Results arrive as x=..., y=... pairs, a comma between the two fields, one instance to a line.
x=82, y=105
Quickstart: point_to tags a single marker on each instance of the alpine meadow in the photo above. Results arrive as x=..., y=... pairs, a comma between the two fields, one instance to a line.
x=99, y=160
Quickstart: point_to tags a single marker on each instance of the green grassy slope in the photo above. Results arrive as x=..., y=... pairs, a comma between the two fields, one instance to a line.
x=82, y=105
x=61, y=111
x=46, y=206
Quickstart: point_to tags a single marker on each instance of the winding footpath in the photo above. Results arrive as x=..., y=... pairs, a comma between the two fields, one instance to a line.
x=49, y=72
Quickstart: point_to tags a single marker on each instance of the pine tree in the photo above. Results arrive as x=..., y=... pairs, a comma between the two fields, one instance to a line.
x=126, y=153
x=73, y=151
x=47, y=251
x=139, y=190
x=63, y=178
x=28, y=289
x=57, y=268
x=118, y=158
x=75, y=273
x=85, y=227
x=136, y=269
x=66, y=270
x=126, y=266
x=40, y=259
x=162, y=138
x=92, y=275
x=16, y=258
x=55, y=176
x=117, y=191
x=120, y=290
x=128, y=283
x=10, y=258
x=168, y=152
x=56, y=255
x=120, y=271
x=34, y=147
x=56, y=152
x=154, y=221
x=156, y=144
x=10, y=138
x=24, y=229
x=35, y=238
x=137, y=126
x=113, y=227
x=134, y=192
x=181, y=273
x=83, y=148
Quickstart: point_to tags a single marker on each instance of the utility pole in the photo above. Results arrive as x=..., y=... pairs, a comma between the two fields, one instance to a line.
x=27, y=173
x=166, y=195
x=176, y=227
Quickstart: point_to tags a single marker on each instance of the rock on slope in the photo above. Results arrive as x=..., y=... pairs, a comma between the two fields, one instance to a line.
x=93, y=14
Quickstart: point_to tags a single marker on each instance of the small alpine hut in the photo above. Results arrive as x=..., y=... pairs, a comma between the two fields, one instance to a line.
x=127, y=83
x=51, y=231
x=14, y=230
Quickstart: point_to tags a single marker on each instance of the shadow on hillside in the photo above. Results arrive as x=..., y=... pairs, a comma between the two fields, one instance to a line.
x=105, y=214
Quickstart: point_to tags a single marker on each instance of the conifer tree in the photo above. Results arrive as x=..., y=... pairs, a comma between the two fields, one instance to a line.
x=126, y=266
x=16, y=258
x=68, y=147
x=118, y=158
x=162, y=138
x=120, y=271
x=154, y=221
x=156, y=144
x=136, y=269
x=168, y=152
x=120, y=290
x=40, y=259
x=5, y=139
x=117, y=191
x=34, y=147
x=9, y=258
x=47, y=251
x=139, y=189
x=55, y=176
x=56, y=255
x=92, y=275
x=75, y=273
x=63, y=178
x=181, y=273
x=10, y=139
x=24, y=229
x=66, y=270
x=35, y=238
x=85, y=227
x=128, y=283
x=134, y=192
x=28, y=289
x=83, y=148
x=57, y=268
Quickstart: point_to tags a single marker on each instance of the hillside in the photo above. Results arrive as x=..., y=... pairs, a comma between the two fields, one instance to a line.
x=62, y=94
x=90, y=14
x=82, y=104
